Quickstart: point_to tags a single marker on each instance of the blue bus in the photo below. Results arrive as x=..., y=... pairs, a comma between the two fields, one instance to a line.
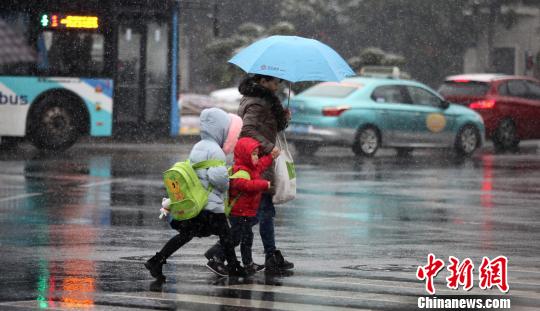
x=70, y=68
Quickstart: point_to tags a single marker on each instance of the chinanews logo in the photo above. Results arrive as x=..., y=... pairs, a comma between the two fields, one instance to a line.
x=490, y=273
x=13, y=99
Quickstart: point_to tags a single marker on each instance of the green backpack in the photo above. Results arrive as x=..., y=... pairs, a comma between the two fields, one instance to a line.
x=185, y=190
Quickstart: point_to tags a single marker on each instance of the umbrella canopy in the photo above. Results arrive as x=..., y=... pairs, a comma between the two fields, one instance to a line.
x=12, y=47
x=293, y=59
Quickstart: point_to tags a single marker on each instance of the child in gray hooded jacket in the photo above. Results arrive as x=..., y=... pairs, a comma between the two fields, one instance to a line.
x=215, y=126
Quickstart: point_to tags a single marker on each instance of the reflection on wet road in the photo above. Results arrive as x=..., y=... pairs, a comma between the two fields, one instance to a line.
x=75, y=229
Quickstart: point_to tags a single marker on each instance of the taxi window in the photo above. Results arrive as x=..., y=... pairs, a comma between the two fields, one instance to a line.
x=331, y=90
x=420, y=96
x=389, y=94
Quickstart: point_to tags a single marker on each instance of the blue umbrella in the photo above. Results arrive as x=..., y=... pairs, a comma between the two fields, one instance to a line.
x=293, y=59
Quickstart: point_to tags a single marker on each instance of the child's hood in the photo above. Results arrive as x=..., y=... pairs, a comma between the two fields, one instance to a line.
x=242, y=151
x=235, y=127
x=214, y=125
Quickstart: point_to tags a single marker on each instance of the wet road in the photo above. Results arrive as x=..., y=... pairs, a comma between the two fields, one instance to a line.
x=75, y=229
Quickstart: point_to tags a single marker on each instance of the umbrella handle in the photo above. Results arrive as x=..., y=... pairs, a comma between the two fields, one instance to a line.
x=289, y=98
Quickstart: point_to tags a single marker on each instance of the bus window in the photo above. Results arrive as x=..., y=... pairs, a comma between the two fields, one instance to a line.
x=71, y=53
x=16, y=24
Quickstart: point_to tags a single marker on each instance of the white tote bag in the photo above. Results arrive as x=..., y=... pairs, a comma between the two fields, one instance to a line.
x=284, y=173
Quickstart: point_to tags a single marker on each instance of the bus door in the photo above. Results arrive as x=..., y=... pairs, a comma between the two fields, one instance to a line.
x=142, y=85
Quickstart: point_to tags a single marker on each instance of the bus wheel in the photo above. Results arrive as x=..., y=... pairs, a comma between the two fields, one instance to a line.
x=53, y=126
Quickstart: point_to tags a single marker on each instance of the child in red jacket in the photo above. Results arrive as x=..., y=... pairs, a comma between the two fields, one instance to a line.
x=245, y=195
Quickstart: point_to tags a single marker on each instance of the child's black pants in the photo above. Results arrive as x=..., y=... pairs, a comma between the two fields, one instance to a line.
x=242, y=233
x=204, y=225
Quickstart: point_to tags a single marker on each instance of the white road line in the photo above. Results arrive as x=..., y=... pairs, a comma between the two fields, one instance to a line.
x=524, y=271
x=524, y=283
x=12, y=177
x=441, y=289
x=123, y=180
x=98, y=183
x=195, y=260
x=20, y=196
x=235, y=302
x=105, y=182
x=329, y=293
x=15, y=187
x=371, y=282
x=34, y=304
x=145, y=182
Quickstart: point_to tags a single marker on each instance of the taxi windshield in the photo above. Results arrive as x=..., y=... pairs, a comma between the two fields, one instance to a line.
x=334, y=90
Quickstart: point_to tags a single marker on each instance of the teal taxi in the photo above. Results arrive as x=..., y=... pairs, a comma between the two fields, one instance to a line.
x=367, y=113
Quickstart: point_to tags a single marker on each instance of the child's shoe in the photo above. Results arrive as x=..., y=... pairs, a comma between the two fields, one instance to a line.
x=253, y=268
x=236, y=270
x=155, y=266
x=217, y=267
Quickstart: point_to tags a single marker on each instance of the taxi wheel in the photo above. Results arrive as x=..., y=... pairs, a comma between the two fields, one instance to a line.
x=305, y=148
x=505, y=137
x=467, y=140
x=367, y=142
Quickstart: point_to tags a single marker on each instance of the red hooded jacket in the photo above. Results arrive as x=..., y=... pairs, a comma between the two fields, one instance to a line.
x=248, y=191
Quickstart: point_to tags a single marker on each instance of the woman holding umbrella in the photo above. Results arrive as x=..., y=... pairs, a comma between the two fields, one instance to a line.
x=263, y=117
x=269, y=61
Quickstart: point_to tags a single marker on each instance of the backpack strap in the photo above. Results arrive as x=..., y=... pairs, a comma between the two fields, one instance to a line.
x=241, y=174
x=208, y=164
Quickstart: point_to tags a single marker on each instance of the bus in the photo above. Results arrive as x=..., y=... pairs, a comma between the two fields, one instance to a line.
x=70, y=68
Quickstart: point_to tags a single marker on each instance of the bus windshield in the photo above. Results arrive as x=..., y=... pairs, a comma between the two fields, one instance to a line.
x=67, y=53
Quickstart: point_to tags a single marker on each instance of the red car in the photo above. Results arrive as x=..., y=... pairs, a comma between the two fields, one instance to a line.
x=509, y=105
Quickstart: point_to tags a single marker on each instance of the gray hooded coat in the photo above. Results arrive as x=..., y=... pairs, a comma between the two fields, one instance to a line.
x=214, y=127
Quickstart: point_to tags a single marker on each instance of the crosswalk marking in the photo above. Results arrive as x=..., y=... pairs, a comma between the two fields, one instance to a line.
x=60, y=306
x=147, y=182
x=419, y=290
x=235, y=302
x=329, y=293
x=20, y=196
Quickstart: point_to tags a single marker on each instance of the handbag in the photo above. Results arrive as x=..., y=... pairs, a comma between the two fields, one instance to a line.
x=284, y=173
